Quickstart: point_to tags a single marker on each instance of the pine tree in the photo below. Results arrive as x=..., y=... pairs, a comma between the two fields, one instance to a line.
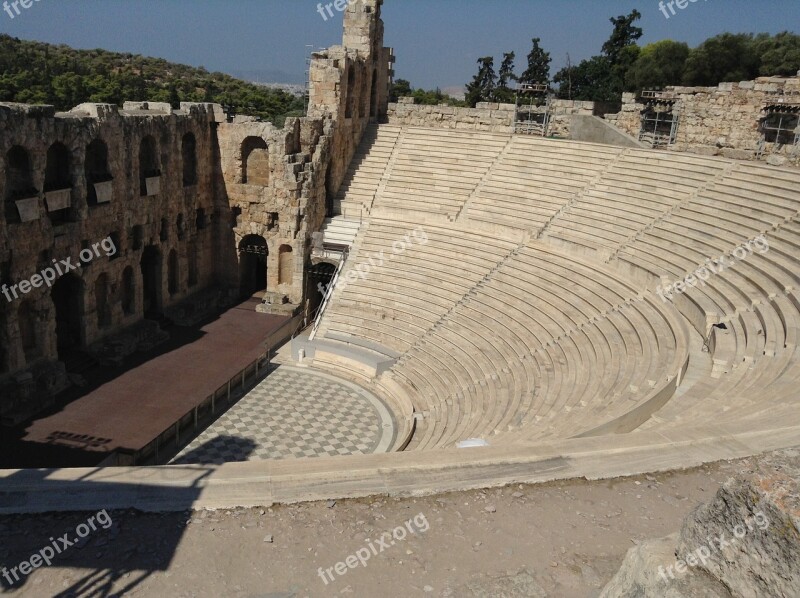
x=538, y=70
x=482, y=87
x=504, y=93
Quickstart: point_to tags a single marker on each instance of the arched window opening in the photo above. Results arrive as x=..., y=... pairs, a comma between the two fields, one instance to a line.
x=98, y=176
x=255, y=161
x=189, y=155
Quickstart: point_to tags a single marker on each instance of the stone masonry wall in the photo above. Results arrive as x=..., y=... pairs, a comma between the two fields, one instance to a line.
x=486, y=116
x=309, y=158
x=175, y=224
x=176, y=192
x=722, y=120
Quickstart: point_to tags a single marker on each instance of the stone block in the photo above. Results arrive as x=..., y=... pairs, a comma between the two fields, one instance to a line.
x=777, y=160
x=737, y=154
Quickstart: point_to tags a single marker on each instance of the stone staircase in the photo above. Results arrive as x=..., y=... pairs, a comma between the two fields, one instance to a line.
x=340, y=230
x=361, y=182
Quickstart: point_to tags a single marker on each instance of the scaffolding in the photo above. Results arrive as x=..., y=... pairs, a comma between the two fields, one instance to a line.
x=533, y=109
x=780, y=124
x=659, y=123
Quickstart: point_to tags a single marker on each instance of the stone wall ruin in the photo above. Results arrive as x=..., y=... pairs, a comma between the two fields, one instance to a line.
x=180, y=194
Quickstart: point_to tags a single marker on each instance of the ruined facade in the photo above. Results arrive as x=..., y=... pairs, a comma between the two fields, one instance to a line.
x=199, y=212
x=280, y=184
x=734, y=120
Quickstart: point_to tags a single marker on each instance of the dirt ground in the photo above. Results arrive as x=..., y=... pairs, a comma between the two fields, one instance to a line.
x=560, y=539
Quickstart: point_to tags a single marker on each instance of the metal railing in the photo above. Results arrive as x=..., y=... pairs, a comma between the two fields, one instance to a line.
x=329, y=291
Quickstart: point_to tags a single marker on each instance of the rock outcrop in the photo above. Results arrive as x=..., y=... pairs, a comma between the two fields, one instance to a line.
x=745, y=543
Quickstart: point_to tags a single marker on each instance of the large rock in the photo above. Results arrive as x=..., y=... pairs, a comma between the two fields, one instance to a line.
x=645, y=574
x=751, y=530
x=745, y=543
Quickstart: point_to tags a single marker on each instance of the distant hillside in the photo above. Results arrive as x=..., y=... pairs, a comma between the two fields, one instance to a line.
x=39, y=73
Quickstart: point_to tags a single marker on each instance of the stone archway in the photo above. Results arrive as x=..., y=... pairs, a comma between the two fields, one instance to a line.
x=152, y=287
x=4, y=342
x=253, y=252
x=102, y=304
x=128, y=292
x=67, y=297
x=173, y=273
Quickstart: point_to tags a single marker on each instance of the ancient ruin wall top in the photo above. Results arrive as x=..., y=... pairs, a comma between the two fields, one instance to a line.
x=363, y=27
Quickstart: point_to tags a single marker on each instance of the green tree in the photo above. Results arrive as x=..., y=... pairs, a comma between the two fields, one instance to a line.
x=591, y=80
x=59, y=75
x=778, y=55
x=538, y=70
x=658, y=65
x=602, y=78
x=726, y=57
x=504, y=93
x=621, y=50
x=400, y=89
x=624, y=36
x=481, y=89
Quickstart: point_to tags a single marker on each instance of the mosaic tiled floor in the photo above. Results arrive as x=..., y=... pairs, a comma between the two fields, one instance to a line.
x=295, y=413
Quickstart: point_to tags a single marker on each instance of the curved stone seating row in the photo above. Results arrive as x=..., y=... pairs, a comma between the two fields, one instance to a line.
x=751, y=387
x=543, y=340
x=396, y=301
x=635, y=191
x=535, y=179
x=531, y=348
x=437, y=171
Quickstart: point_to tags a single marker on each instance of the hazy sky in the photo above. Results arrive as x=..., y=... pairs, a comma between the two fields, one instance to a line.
x=437, y=42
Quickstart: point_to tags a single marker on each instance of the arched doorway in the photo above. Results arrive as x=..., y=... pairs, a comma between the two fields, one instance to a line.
x=128, y=292
x=151, y=282
x=4, y=365
x=173, y=273
x=101, y=303
x=19, y=181
x=96, y=170
x=253, y=252
x=28, y=331
x=67, y=297
x=58, y=177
